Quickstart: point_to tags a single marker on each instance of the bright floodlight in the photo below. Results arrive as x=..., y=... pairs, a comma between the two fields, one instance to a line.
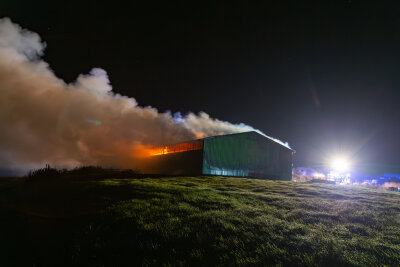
x=340, y=164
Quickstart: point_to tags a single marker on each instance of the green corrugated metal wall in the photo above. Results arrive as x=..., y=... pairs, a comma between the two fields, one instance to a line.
x=246, y=154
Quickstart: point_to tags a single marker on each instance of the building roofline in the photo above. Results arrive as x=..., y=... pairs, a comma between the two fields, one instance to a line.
x=221, y=135
x=259, y=133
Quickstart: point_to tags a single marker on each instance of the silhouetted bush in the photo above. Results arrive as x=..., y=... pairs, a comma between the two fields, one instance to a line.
x=46, y=172
x=85, y=172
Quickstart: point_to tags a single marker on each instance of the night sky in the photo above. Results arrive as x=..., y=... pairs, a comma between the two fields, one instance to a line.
x=324, y=78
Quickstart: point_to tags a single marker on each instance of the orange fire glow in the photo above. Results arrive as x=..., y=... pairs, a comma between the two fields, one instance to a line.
x=189, y=146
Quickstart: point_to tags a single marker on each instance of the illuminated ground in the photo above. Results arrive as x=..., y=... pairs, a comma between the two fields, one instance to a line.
x=195, y=221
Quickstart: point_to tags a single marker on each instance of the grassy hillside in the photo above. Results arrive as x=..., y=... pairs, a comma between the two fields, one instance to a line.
x=195, y=221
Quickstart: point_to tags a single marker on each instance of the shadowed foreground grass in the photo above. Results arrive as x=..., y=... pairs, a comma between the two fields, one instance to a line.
x=196, y=221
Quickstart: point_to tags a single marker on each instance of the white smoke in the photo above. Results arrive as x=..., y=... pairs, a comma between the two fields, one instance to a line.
x=44, y=120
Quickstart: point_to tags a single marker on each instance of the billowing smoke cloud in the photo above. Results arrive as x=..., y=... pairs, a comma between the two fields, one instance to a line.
x=45, y=120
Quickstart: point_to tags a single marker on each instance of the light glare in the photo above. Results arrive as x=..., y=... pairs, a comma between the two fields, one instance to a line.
x=340, y=164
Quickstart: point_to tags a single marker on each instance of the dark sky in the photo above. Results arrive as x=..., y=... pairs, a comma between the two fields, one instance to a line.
x=325, y=78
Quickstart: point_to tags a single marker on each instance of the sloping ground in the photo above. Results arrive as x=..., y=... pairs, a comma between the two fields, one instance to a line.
x=195, y=221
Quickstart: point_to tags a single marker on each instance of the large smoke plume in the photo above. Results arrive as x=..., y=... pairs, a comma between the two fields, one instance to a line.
x=45, y=120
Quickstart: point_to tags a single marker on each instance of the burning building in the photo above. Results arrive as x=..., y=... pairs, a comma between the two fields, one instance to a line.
x=247, y=154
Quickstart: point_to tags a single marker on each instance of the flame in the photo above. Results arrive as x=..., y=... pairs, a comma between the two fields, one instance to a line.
x=188, y=146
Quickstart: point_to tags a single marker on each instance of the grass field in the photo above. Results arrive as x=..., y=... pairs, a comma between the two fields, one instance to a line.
x=195, y=221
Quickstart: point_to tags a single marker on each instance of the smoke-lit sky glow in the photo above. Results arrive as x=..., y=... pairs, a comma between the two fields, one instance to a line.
x=322, y=76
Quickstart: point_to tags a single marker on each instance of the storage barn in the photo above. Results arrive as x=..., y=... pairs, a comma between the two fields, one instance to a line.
x=248, y=154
